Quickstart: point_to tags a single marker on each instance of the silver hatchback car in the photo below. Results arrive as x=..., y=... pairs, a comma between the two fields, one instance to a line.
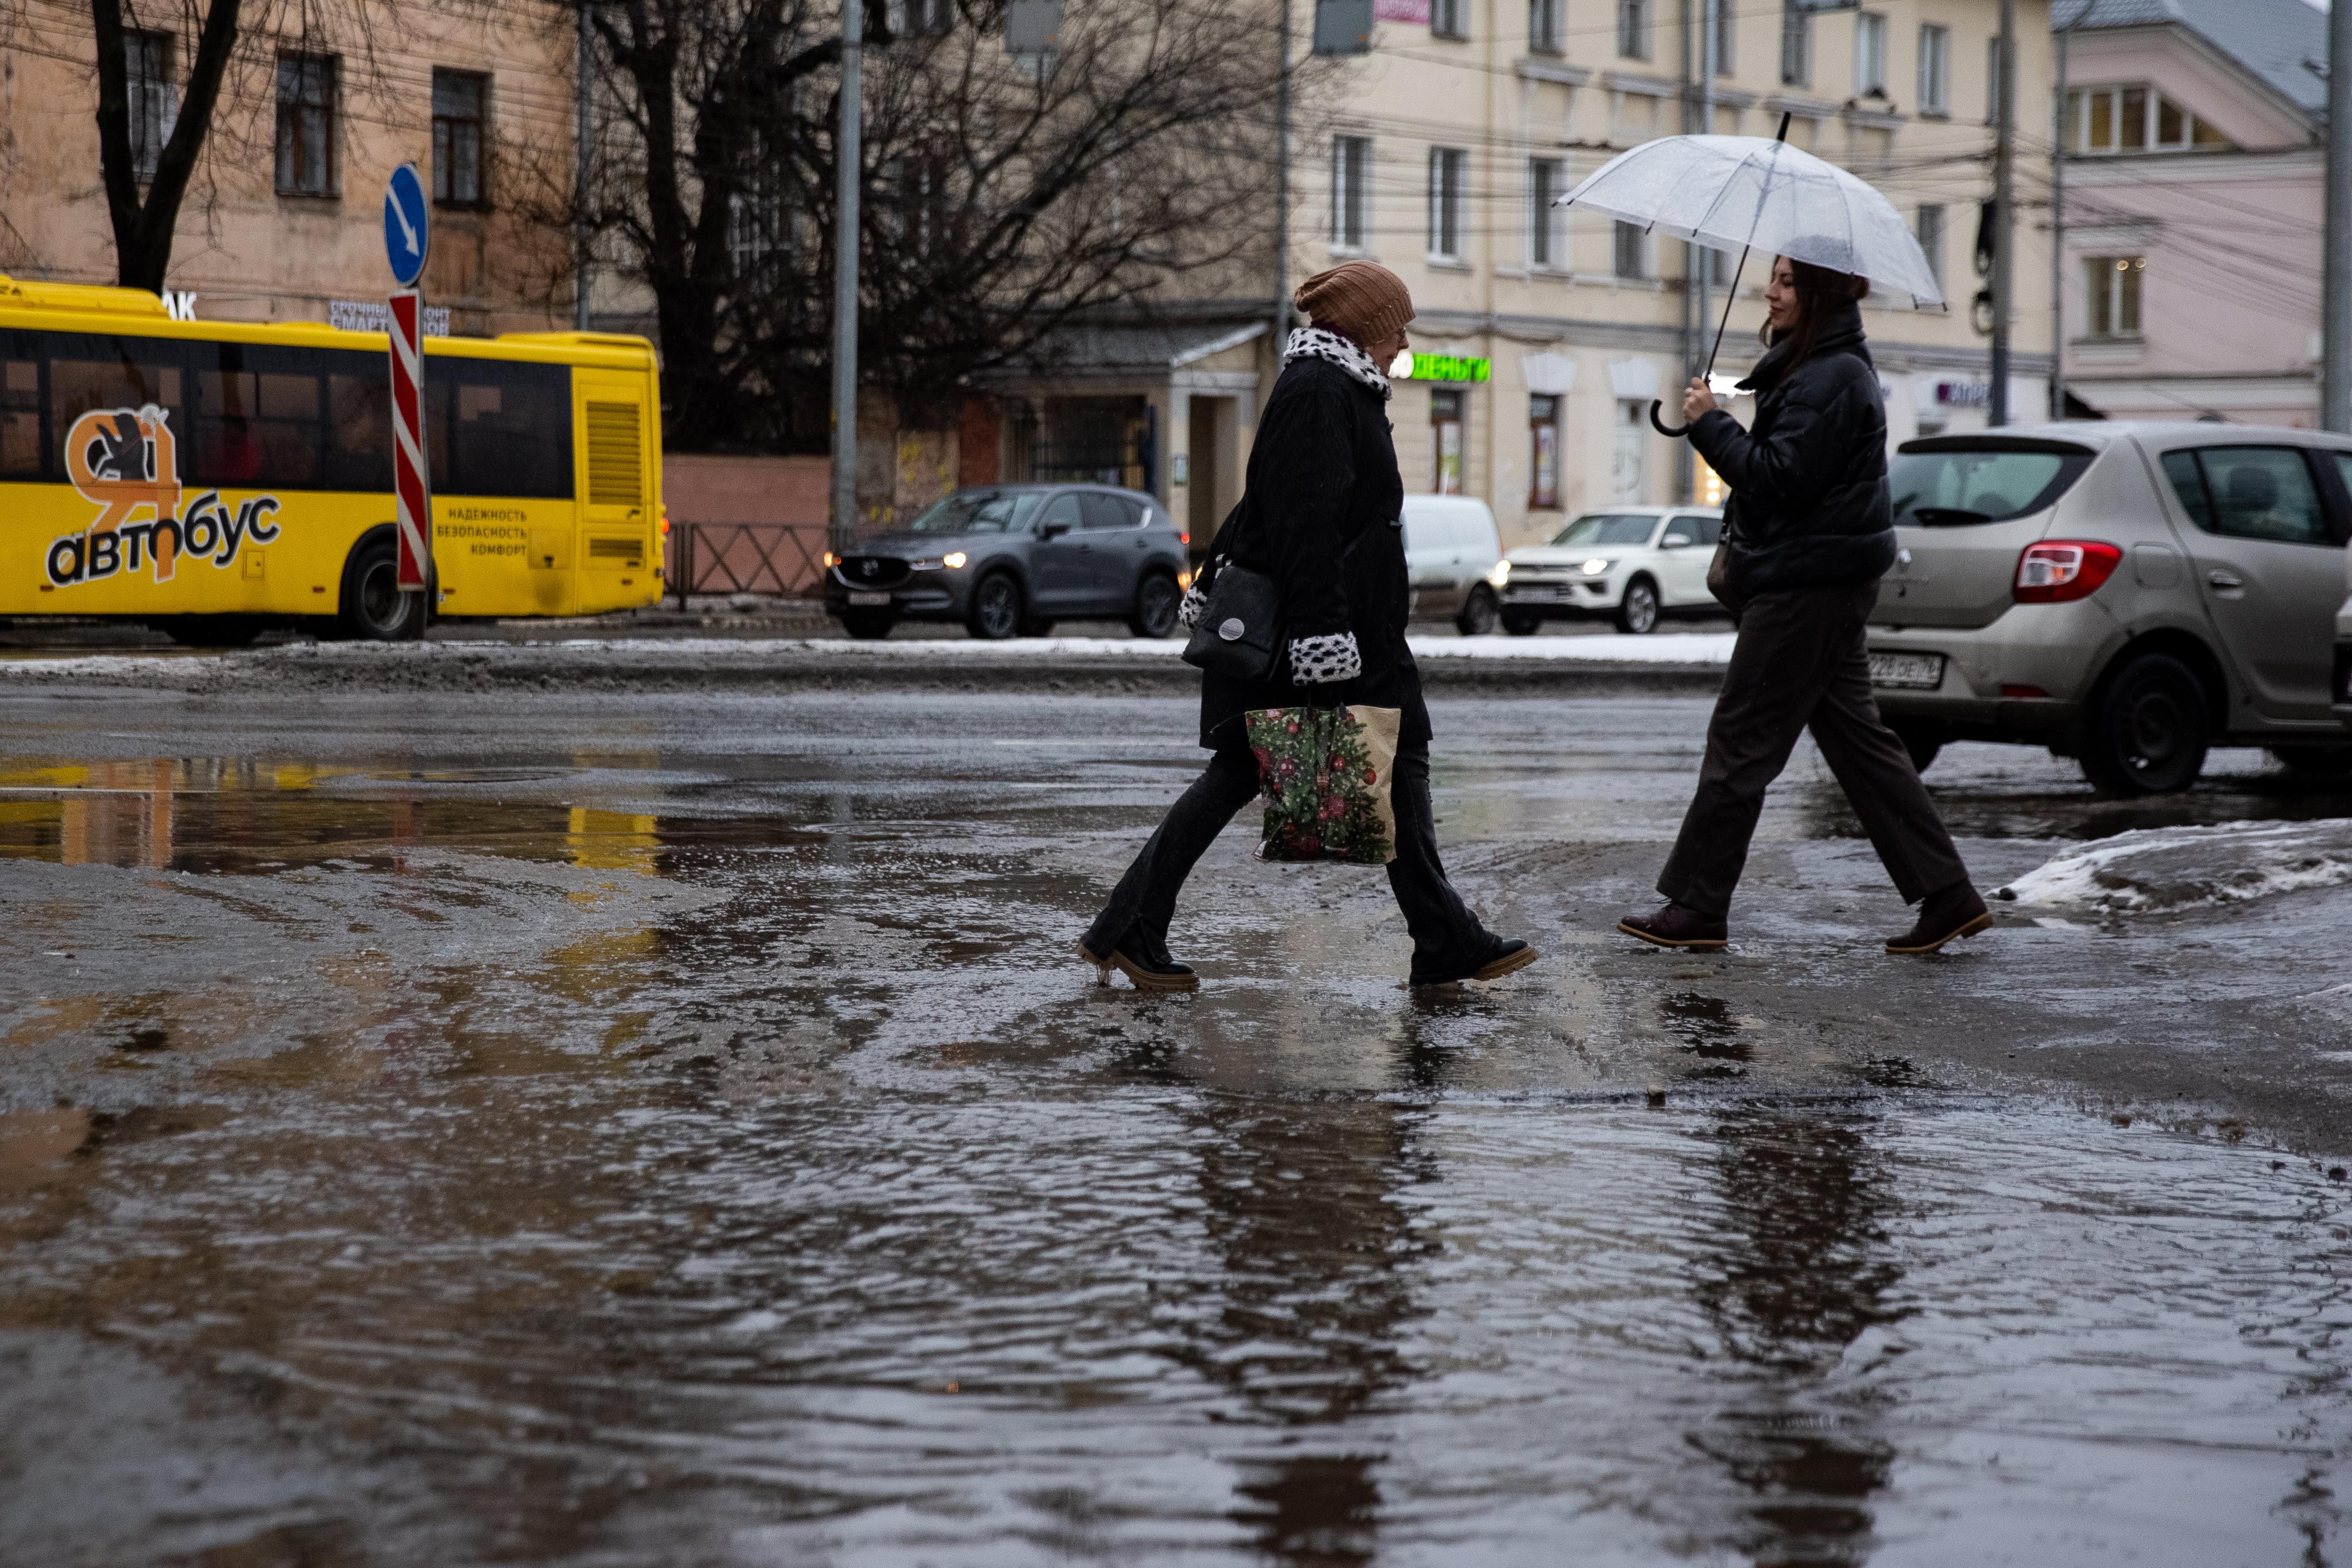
x=2124, y=593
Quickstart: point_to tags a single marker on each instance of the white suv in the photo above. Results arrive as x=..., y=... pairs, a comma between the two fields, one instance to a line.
x=1634, y=565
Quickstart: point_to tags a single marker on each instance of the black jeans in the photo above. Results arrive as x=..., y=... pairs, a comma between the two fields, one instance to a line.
x=1445, y=934
x=1800, y=663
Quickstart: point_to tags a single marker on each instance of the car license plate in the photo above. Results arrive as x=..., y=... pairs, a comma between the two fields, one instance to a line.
x=869, y=599
x=1919, y=672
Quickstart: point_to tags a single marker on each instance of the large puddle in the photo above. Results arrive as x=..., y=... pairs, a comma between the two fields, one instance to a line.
x=698, y=1147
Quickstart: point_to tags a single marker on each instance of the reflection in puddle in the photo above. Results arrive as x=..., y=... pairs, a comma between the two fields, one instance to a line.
x=1709, y=1032
x=242, y=815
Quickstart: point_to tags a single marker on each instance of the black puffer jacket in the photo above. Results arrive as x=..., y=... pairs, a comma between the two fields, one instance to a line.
x=1809, y=503
x=1321, y=516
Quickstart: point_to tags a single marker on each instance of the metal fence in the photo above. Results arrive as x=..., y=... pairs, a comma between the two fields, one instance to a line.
x=780, y=558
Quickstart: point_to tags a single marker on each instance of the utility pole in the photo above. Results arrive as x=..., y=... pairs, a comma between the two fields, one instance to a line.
x=583, y=63
x=2063, y=130
x=1282, y=190
x=2335, y=310
x=2004, y=211
x=845, y=280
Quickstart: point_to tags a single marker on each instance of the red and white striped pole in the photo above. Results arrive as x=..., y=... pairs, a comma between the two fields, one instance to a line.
x=411, y=480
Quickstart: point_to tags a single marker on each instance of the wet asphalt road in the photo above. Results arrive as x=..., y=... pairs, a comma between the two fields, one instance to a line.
x=524, y=1127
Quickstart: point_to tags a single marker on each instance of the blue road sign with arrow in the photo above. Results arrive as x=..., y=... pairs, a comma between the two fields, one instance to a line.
x=405, y=234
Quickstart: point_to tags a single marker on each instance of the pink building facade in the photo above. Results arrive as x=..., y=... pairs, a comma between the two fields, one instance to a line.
x=2190, y=264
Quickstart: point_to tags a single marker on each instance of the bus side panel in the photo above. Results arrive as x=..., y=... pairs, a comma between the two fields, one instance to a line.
x=499, y=556
x=216, y=551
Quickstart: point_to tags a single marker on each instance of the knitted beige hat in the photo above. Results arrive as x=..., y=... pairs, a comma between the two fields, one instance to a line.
x=1362, y=299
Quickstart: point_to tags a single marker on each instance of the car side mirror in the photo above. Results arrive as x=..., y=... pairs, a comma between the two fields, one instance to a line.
x=1675, y=541
x=1052, y=530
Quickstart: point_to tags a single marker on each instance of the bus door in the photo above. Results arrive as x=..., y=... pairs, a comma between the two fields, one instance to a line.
x=616, y=421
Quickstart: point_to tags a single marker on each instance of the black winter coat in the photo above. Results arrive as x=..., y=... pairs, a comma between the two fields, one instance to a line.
x=1809, y=502
x=1321, y=513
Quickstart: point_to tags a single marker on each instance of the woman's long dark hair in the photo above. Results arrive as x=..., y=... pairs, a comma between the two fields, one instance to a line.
x=1819, y=292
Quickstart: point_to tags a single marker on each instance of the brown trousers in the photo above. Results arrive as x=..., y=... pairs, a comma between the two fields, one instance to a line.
x=1800, y=662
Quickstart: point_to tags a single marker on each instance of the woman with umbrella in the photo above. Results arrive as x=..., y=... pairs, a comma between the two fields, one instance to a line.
x=1808, y=529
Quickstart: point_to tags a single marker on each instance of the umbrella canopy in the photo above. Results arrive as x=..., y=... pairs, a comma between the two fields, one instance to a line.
x=1741, y=192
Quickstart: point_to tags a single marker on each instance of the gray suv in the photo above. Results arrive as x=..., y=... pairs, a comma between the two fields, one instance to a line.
x=2124, y=593
x=1011, y=560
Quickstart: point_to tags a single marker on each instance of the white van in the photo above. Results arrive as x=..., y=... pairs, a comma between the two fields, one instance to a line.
x=1455, y=554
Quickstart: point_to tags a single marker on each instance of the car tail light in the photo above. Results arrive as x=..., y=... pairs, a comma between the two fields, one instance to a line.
x=2057, y=570
x=1184, y=538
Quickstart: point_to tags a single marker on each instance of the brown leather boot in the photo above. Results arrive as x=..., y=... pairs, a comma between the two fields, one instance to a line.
x=1956, y=911
x=1678, y=925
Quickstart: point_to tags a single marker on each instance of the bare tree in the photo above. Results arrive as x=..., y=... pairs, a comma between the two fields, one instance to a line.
x=1001, y=197
x=144, y=224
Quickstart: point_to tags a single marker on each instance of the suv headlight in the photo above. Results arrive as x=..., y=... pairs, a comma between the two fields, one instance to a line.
x=1596, y=566
x=1501, y=575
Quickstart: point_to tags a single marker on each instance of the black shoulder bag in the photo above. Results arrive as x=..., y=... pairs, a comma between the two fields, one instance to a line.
x=1239, y=634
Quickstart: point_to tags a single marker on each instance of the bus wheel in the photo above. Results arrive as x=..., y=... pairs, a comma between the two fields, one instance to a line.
x=373, y=609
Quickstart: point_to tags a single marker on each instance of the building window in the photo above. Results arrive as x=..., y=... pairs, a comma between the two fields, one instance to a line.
x=1992, y=79
x=1448, y=197
x=2111, y=288
x=1547, y=184
x=1869, y=54
x=1544, y=27
x=1724, y=32
x=1934, y=69
x=1931, y=241
x=1543, y=452
x=1796, y=45
x=458, y=100
x=925, y=19
x=1351, y=191
x=1445, y=442
x=1445, y=20
x=306, y=124
x=756, y=234
x=154, y=98
x=1630, y=252
x=2105, y=120
x=1634, y=30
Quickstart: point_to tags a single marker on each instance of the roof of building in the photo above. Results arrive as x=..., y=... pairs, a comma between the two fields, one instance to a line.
x=2272, y=38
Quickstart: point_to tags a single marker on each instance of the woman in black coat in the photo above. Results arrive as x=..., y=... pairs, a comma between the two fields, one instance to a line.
x=1808, y=532
x=1322, y=516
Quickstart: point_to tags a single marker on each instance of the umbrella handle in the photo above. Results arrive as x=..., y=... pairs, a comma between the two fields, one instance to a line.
x=1661, y=426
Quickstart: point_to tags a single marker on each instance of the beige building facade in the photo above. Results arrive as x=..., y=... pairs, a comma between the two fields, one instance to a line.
x=1438, y=155
x=282, y=219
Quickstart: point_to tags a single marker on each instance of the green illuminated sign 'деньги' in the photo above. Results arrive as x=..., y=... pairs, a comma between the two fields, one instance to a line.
x=1451, y=368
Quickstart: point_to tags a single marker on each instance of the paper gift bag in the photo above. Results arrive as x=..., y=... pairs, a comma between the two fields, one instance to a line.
x=1325, y=773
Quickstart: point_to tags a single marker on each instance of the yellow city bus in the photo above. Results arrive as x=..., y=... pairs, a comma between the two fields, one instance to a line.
x=213, y=479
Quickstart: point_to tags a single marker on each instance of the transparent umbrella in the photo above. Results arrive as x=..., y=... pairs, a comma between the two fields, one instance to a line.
x=1748, y=193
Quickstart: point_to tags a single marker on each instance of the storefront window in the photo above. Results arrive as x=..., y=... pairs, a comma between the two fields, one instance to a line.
x=1543, y=451
x=1446, y=441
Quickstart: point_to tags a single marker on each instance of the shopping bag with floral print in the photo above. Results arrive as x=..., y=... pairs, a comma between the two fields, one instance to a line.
x=1325, y=773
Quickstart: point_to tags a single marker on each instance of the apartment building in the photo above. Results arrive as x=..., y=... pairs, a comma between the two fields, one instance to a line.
x=281, y=217
x=1549, y=332
x=2195, y=191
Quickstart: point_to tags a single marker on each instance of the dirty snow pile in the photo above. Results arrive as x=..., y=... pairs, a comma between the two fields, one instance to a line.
x=2183, y=868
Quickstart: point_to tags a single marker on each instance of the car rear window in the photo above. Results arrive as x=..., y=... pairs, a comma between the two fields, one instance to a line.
x=1608, y=529
x=1953, y=482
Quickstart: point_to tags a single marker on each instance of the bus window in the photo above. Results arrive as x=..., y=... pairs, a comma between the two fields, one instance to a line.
x=359, y=425
x=20, y=409
x=499, y=427
x=88, y=372
x=258, y=419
